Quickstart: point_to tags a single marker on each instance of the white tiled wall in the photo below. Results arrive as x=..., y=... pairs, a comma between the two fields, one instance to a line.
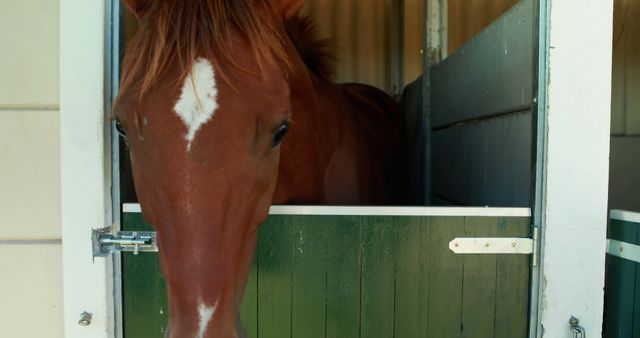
x=30, y=240
x=29, y=58
x=31, y=290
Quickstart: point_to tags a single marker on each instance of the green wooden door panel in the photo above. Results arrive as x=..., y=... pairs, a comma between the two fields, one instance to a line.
x=360, y=276
x=622, y=303
x=343, y=264
x=512, y=278
x=444, y=284
x=143, y=287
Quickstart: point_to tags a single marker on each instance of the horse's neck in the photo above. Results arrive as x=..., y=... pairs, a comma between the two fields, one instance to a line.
x=341, y=164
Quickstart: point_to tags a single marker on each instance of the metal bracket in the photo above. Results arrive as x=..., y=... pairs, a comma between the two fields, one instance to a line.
x=493, y=245
x=105, y=242
x=623, y=250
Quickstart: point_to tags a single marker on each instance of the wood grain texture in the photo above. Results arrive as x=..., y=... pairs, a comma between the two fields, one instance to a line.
x=512, y=283
x=360, y=276
x=275, y=262
x=479, y=283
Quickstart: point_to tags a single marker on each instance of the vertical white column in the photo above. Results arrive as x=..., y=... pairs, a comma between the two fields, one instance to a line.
x=84, y=166
x=576, y=166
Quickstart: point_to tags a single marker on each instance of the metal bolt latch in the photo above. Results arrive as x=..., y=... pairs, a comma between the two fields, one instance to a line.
x=106, y=242
x=578, y=331
x=85, y=319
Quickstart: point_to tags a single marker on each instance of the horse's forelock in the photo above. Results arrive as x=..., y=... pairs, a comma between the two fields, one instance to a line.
x=177, y=31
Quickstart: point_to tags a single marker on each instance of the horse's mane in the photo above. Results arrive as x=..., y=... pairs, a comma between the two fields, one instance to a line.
x=318, y=54
x=179, y=30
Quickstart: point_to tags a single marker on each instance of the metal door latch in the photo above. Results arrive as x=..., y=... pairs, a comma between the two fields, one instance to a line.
x=105, y=242
x=492, y=245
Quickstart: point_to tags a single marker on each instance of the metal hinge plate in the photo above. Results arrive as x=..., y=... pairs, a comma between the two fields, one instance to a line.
x=624, y=250
x=105, y=242
x=498, y=245
x=479, y=245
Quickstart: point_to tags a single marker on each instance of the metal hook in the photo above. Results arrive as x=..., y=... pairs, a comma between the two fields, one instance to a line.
x=85, y=319
x=578, y=331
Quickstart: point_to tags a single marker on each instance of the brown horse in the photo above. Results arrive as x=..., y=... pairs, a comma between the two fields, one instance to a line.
x=210, y=88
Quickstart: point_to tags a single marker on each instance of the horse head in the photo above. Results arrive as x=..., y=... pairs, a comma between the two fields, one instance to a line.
x=205, y=103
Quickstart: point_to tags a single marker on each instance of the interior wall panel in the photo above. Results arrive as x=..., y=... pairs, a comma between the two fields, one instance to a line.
x=481, y=98
x=361, y=32
x=484, y=163
x=624, y=187
x=618, y=76
x=468, y=17
x=413, y=40
x=632, y=63
x=624, y=182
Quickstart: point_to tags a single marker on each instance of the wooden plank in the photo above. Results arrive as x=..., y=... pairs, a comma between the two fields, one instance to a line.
x=467, y=86
x=445, y=279
x=308, y=288
x=427, y=266
x=249, y=308
x=619, y=290
x=275, y=258
x=143, y=289
x=343, y=277
x=410, y=289
x=512, y=283
x=484, y=163
x=378, y=277
x=479, y=282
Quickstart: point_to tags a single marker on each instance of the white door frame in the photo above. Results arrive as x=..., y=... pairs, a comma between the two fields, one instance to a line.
x=575, y=49
x=576, y=68
x=85, y=166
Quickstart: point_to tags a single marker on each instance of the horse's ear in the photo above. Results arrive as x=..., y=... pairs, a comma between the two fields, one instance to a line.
x=289, y=8
x=138, y=7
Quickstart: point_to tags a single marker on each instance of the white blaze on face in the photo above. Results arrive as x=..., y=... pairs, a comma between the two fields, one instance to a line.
x=206, y=313
x=198, y=100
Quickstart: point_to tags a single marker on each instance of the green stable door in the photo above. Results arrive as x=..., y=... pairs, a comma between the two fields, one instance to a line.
x=362, y=276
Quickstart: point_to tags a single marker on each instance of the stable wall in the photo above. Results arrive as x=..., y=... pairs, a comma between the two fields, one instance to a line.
x=624, y=182
x=30, y=237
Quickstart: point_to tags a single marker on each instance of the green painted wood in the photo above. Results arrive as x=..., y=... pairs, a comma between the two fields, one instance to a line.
x=512, y=284
x=343, y=267
x=636, y=300
x=445, y=278
x=308, y=286
x=360, y=276
x=275, y=259
x=377, y=278
x=620, y=285
x=143, y=289
x=410, y=287
x=479, y=282
x=249, y=309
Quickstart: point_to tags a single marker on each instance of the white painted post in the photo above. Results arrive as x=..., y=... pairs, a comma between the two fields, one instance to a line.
x=84, y=167
x=576, y=166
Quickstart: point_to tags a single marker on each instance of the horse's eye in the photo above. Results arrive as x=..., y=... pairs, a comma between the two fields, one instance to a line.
x=120, y=129
x=280, y=133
